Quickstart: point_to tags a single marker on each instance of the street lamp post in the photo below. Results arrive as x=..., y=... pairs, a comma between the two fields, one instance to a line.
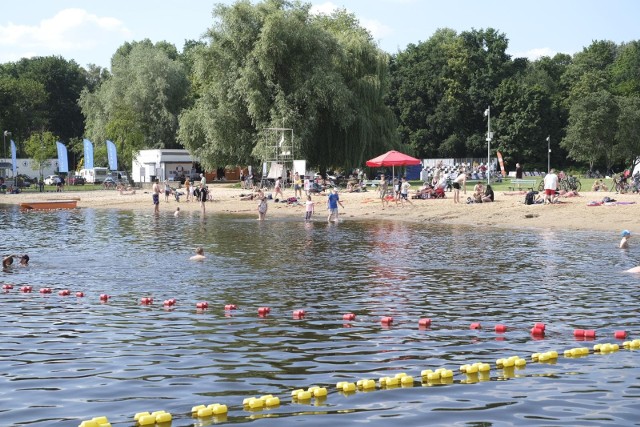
x=4, y=150
x=549, y=154
x=487, y=114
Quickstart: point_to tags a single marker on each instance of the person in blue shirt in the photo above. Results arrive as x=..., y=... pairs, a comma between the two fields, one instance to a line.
x=332, y=204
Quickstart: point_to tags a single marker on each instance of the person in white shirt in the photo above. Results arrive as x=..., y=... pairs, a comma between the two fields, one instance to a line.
x=550, y=186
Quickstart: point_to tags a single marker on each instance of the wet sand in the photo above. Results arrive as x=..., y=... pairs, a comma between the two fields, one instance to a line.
x=507, y=211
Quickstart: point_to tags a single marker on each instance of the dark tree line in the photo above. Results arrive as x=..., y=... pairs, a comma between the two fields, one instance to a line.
x=274, y=64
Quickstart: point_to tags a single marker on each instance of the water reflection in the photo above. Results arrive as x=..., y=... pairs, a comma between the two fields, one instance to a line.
x=126, y=358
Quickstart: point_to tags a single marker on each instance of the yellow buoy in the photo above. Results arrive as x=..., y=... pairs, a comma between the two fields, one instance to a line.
x=521, y=363
x=294, y=393
x=273, y=401
x=447, y=373
x=407, y=380
x=349, y=387
x=163, y=417
x=147, y=420
x=204, y=412
x=140, y=415
x=320, y=392
x=195, y=409
x=368, y=384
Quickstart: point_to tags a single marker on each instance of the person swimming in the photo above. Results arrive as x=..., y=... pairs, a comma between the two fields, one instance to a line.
x=624, y=243
x=199, y=256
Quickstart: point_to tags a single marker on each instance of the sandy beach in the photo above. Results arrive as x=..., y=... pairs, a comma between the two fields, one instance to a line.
x=507, y=211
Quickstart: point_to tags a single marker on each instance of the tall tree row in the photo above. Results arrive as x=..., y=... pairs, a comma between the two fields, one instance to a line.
x=274, y=64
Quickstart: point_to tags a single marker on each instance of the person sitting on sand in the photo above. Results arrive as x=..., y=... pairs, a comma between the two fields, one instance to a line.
x=570, y=193
x=488, y=195
x=425, y=192
x=624, y=243
x=478, y=193
x=128, y=192
x=599, y=186
x=199, y=256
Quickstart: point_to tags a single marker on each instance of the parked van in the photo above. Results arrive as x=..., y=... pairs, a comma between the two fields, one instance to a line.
x=94, y=176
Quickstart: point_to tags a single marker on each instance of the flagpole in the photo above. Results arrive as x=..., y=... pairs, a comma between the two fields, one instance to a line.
x=487, y=113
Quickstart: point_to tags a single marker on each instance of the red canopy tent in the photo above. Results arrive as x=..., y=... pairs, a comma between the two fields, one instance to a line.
x=393, y=158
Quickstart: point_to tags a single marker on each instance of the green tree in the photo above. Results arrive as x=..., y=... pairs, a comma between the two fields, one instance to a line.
x=138, y=105
x=523, y=122
x=22, y=105
x=41, y=147
x=273, y=64
x=593, y=124
x=628, y=135
x=63, y=81
x=442, y=86
x=625, y=71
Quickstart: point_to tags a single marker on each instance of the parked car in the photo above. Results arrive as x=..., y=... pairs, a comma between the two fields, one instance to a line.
x=76, y=180
x=52, y=180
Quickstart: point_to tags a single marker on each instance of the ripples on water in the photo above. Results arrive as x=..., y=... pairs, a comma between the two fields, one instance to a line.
x=65, y=359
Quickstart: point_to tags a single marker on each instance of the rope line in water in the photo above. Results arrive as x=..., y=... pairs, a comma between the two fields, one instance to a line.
x=474, y=373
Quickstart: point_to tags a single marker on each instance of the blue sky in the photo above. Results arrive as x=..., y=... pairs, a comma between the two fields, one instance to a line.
x=90, y=31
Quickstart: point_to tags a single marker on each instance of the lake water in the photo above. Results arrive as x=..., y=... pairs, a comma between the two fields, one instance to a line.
x=66, y=359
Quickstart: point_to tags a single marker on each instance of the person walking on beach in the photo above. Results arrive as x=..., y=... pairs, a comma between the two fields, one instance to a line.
x=460, y=180
x=187, y=187
x=297, y=185
x=309, y=208
x=278, y=189
x=156, y=195
x=167, y=190
x=404, y=192
x=518, y=171
x=332, y=204
x=382, y=190
x=624, y=243
x=550, y=186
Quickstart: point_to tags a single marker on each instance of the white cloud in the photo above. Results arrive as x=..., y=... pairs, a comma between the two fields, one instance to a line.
x=69, y=31
x=535, y=54
x=323, y=8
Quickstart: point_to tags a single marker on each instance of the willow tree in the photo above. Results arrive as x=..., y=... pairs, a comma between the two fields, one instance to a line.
x=274, y=64
x=138, y=105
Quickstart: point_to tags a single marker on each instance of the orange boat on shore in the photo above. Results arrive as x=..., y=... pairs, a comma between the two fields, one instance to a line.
x=50, y=204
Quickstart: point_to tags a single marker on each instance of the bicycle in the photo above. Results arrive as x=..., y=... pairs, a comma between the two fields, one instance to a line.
x=568, y=183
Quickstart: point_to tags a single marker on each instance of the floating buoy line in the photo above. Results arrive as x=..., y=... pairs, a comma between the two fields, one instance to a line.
x=470, y=373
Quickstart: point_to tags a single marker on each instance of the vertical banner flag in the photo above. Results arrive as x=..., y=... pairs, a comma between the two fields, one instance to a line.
x=504, y=173
x=88, y=154
x=63, y=164
x=111, y=155
x=13, y=157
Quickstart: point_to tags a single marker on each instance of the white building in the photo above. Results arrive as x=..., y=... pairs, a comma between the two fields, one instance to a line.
x=27, y=167
x=162, y=164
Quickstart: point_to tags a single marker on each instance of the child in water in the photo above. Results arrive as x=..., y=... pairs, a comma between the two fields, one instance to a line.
x=309, y=209
x=624, y=243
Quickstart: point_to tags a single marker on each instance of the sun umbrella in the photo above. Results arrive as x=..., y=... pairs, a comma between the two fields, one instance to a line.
x=393, y=158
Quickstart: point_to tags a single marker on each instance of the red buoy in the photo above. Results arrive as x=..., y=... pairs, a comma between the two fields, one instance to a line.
x=26, y=289
x=203, y=305
x=79, y=294
x=104, y=297
x=7, y=287
x=387, y=320
x=500, y=328
x=146, y=300
x=620, y=335
x=475, y=325
x=349, y=316
x=589, y=333
x=45, y=290
x=64, y=293
x=540, y=326
x=263, y=311
x=424, y=322
x=230, y=307
x=537, y=332
x=298, y=314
